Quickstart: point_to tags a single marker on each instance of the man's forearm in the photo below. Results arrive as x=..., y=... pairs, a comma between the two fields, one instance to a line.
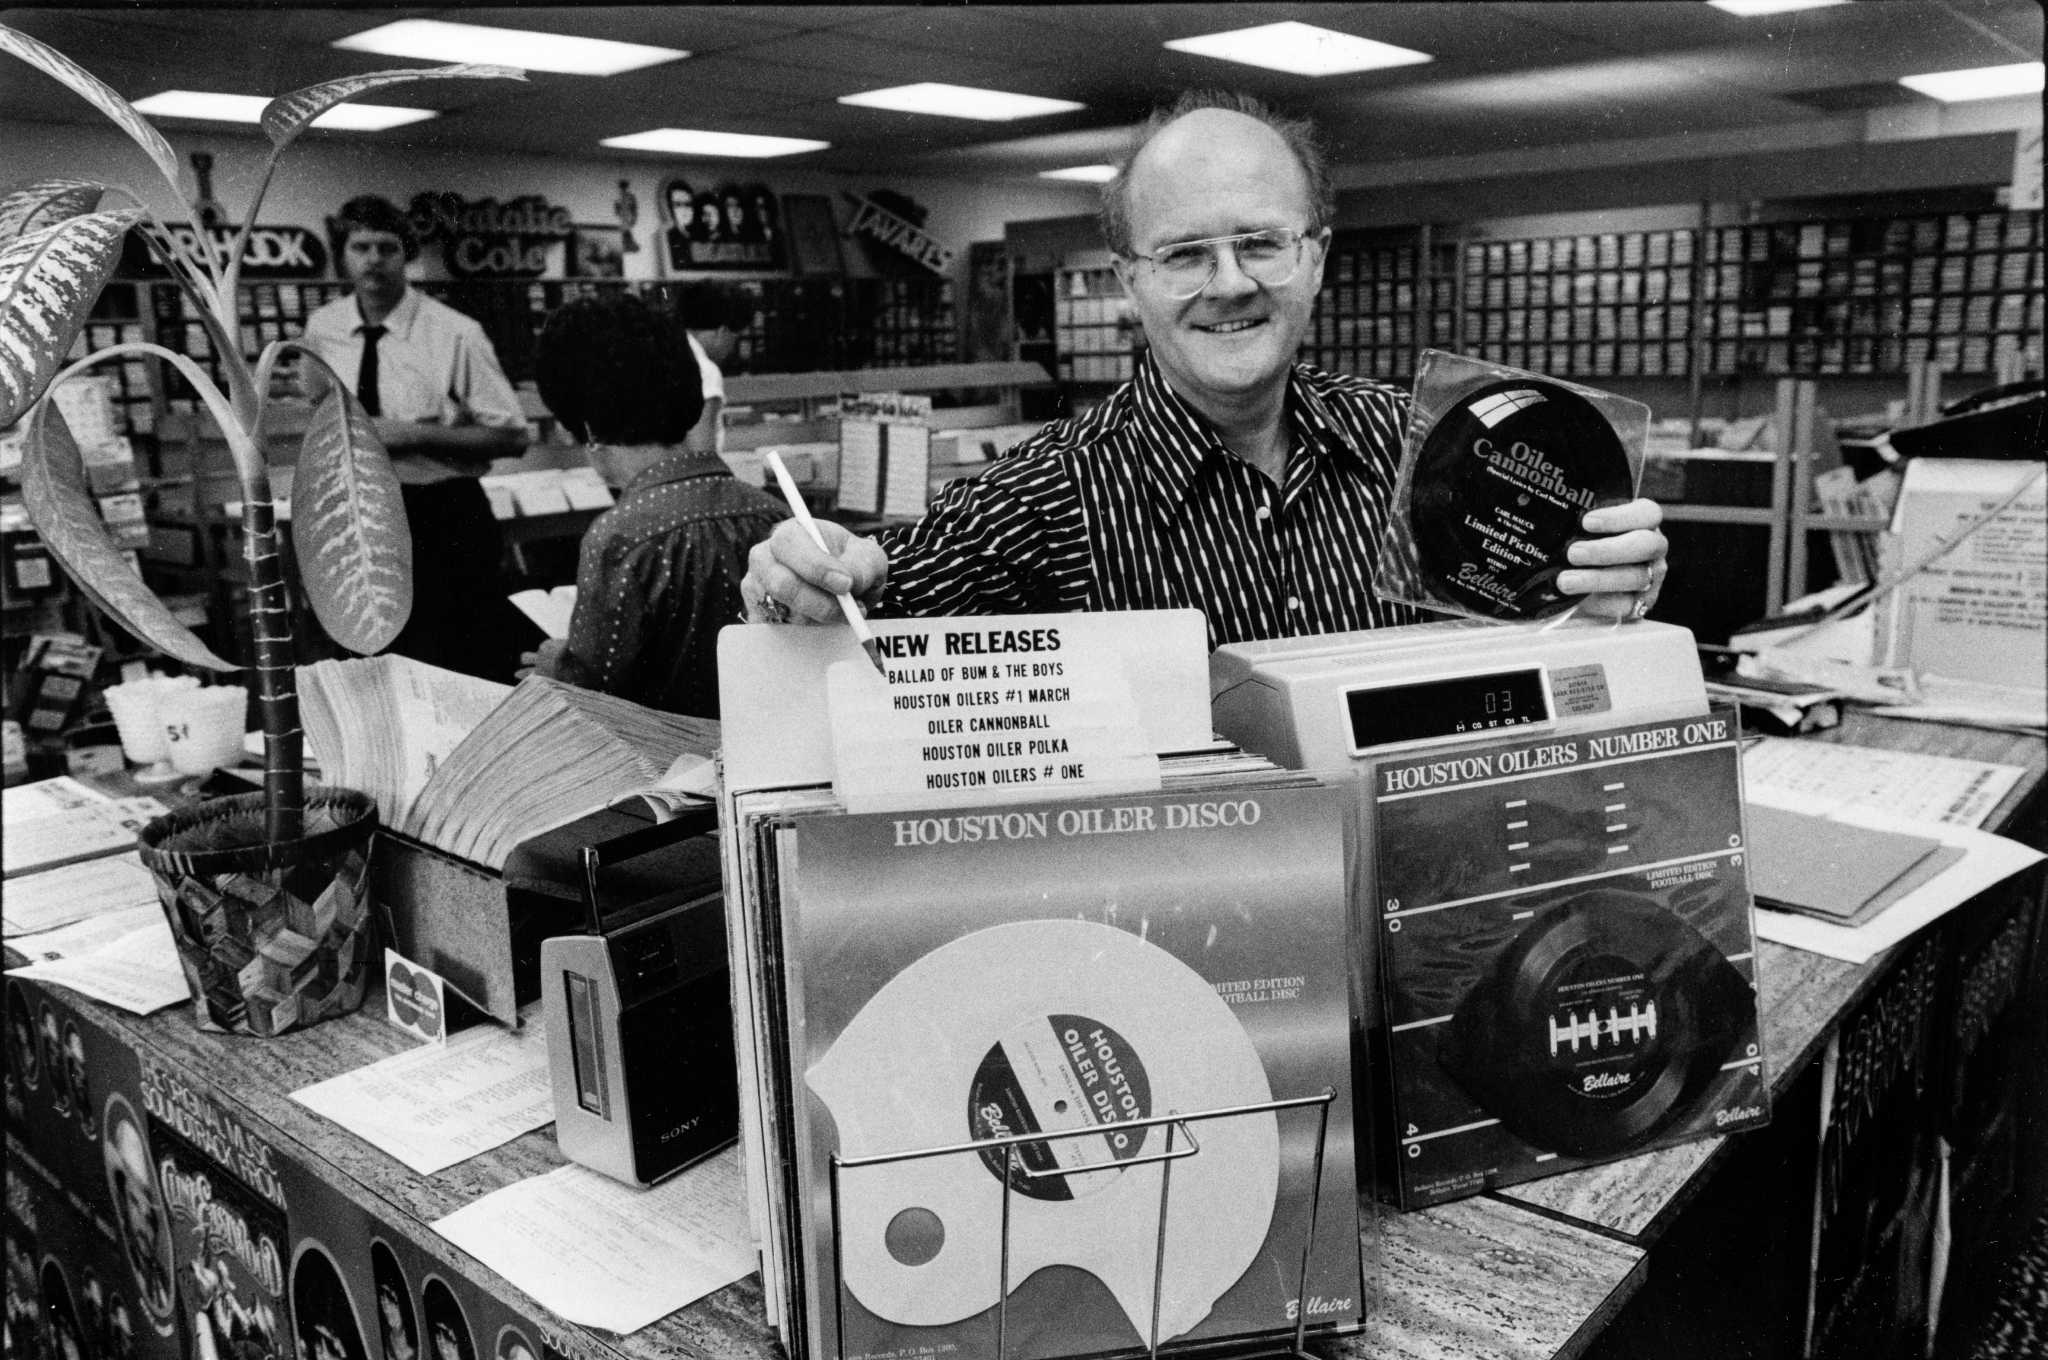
x=475, y=443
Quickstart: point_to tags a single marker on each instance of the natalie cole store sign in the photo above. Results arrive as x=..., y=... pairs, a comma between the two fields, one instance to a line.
x=515, y=238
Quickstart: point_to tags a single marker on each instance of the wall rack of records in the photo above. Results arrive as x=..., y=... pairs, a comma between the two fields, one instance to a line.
x=1384, y=300
x=116, y=319
x=912, y=320
x=1873, y=294
x=269, y=311
x=1093, y=328
x=1602, y=305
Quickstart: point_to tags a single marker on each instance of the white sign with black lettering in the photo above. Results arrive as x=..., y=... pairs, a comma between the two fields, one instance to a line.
x=979, y=714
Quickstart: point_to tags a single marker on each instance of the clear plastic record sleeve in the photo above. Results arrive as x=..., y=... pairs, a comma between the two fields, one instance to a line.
x=951, y=976
x=1498, y=467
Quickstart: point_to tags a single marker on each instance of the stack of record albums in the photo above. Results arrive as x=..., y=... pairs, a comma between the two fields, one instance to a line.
x=1045, y=1078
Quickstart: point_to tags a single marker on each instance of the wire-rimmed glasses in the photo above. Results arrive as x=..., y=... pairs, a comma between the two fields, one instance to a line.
x=1270, y=258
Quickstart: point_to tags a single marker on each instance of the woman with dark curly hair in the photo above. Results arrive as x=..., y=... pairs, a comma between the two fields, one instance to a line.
x=659, y=572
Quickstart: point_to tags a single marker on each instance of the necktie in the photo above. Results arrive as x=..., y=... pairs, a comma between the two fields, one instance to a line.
x=366, y=374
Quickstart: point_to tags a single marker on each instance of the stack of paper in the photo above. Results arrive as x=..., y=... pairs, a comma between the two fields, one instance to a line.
x=474, y=768
x=384, y=724
x=547, y=755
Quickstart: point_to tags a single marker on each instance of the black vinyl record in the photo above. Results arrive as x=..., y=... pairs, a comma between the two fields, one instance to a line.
x=1498, y=490
x=1599, y=1026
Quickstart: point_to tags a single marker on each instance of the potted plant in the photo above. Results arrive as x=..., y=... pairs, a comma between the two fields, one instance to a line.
x=265, y=892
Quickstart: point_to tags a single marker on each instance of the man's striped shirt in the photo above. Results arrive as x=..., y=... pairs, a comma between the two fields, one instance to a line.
x=1138, y=505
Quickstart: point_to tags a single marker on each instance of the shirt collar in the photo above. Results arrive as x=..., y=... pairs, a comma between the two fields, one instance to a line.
x=677, y=467
x=399, y=320
x=1182, y=439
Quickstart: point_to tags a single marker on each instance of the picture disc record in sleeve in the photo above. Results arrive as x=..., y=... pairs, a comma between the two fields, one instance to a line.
x=1499, y=488
x=1599, y=1026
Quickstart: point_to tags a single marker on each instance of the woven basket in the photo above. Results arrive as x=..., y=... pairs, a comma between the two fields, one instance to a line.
x=272, y=936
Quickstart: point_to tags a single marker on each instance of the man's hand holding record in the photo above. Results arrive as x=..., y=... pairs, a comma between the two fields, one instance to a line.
x=1500, y=486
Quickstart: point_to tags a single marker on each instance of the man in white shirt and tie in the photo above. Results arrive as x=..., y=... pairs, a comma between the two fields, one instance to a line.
x=444, y=409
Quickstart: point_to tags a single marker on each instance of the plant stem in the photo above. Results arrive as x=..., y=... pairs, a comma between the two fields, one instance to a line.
x=270, y=620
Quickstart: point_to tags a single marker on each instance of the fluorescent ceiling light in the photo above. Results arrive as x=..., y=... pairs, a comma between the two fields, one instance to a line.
x=1750, y=9
x=694, y=142
x=248, y=108
x=1983, y=82
x=1299, y=49
x=1092, y=174
x=960, y=101
x=435, y=40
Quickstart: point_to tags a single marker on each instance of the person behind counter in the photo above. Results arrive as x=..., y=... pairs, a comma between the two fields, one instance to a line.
x=1223, y=476
x=429, y=378
x=659, y=572
x=714, y=315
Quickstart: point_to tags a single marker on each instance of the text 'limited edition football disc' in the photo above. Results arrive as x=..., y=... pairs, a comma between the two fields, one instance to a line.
x=1500, y=486
x=1048, y=1027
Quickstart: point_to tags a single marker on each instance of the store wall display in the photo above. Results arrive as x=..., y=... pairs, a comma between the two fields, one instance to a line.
x=729, y=226
x=597, y=253
x=626, y=207
x=894, y=222
x=519, y=237
x=1839, y=295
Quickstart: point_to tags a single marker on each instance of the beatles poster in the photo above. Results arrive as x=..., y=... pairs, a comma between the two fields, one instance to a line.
x=727, y=226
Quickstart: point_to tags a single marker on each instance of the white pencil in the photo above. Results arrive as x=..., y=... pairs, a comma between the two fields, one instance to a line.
x=854, y=618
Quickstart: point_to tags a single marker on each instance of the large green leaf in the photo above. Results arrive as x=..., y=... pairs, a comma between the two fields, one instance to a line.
x=49, y=280
x=348, y=522
x=46, y=203
x=286, y=116
x=54, y=489
x=89, y=86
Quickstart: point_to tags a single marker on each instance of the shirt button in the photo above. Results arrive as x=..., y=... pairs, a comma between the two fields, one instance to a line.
x=1265, y=513
x=1294, y=602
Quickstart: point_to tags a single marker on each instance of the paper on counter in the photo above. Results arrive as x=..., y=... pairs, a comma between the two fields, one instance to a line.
x=124, y=958
x=57, y=897
x=604, y=1254
x=46, y=798
x=1987, y=859
x=1824, y=777
x=434, y=1106
x=82, y=832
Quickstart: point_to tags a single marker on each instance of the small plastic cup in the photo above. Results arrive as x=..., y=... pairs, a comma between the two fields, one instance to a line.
x=138, y=715
x=203, y=728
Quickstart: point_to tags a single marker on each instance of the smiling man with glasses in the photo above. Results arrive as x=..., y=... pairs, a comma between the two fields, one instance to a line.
x=1223, y=476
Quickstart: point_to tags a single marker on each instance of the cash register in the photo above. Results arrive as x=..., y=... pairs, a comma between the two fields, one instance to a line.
x=1335, y=700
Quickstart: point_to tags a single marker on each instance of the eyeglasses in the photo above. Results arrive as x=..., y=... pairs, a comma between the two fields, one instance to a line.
x=1270, y=258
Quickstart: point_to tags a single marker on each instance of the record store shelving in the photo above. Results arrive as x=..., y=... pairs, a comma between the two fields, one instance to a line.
x=1813, y=298
x=801, y=324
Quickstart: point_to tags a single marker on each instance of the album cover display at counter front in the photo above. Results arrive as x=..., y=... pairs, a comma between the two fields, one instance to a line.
x=1498, y=469
x=956, y=976
x=1568, y=963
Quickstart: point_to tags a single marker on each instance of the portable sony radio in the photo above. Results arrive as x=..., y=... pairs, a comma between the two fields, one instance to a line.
x=639, y=1012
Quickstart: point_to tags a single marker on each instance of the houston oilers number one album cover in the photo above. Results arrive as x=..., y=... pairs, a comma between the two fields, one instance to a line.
x=1567, y=954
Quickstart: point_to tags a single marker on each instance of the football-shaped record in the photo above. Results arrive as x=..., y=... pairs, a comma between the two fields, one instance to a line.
x=1498, y=491
x=1599, y=1026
